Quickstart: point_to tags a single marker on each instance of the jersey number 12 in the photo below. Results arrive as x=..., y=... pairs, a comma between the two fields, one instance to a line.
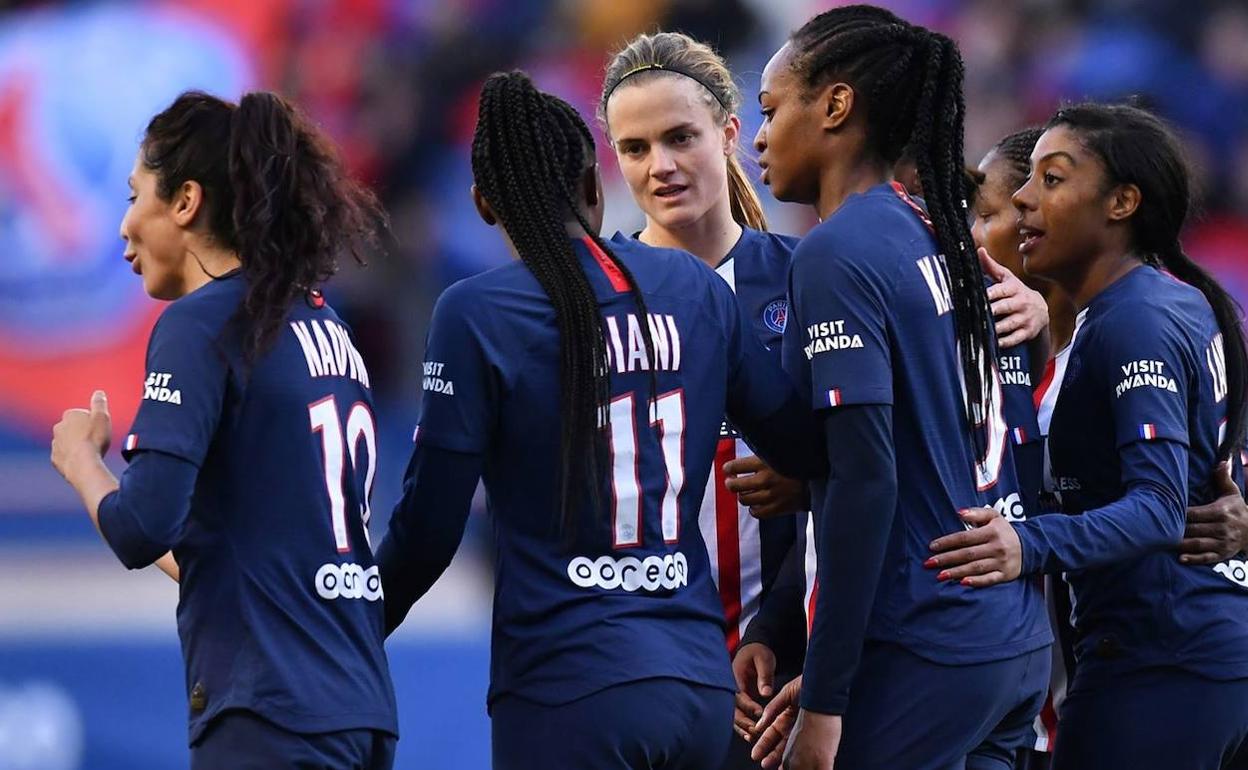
x=324, y=418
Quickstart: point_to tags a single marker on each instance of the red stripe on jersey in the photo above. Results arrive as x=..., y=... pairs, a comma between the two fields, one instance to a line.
x=1048, y=716
x=728, y=541
x=810, y=608
x=612, y=271
x=1050, y=369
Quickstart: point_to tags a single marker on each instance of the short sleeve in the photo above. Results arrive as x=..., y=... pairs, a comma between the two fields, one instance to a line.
x=1018, y=394
x=1147, y=375
x=837, y=340
x=461, y=380
x=183, y=391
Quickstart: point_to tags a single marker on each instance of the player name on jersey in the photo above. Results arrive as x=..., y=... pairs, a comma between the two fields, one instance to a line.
x=329, y=350
x=626, y=345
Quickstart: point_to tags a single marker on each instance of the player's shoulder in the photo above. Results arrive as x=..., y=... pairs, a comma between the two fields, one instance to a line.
x=659, y=269
x=771, y=251
x=208, y=309
x=870, y=233
x=1150, y=301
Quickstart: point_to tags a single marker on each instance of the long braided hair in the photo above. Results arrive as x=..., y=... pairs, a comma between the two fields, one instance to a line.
x=530, y=153
x=910, y=79
x=1137, y=148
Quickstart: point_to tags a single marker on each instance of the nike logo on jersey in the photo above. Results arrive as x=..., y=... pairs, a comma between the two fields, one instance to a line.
x=626, y=345
x=156, y=388
x=1145, y=374
x=329, y=351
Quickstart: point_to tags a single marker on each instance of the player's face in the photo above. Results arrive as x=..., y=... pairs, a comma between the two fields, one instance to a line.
x=1062, y=217
x=153, y=239
x=671, y=149
x=790, y=134
x=995, y=226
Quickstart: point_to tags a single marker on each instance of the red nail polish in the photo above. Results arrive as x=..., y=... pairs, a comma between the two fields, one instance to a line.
x=943, y=575
x=930, y=563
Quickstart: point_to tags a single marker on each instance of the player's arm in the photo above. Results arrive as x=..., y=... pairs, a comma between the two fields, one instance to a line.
x=426, y=527
x=780, y=623
x=144, y=516
x=141, y=516
x=456, y=423
x=1149, y=517
x=851, y=538
x=838, y=293
x=1151, y=433
x=762, y=403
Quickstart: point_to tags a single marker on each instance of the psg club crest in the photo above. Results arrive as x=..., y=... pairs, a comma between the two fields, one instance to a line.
x=776, y=314
x=75, y=95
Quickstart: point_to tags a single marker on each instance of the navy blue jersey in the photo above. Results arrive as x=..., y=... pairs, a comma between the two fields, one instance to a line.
x=1147, y=365
x=872, y=323
x=628, y=595
x=279, y=610
x=746, y=553
x=1019, y=410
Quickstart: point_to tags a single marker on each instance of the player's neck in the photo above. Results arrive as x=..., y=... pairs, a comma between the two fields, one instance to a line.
x=204, y=264
x=709, y=238
x=845, y=176
x=1098, y=274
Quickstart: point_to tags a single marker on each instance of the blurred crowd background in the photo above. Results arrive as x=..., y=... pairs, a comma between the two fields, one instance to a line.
x=90, y=674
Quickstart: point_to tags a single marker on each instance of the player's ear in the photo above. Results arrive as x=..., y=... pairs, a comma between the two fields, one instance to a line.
x=837, y=102
x=187, y=201
x=1123, y=202
x=591, y=193
x=483, y=207
x=591, y=187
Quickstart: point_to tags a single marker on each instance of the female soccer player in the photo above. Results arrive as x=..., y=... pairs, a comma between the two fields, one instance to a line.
x=612, y=365
x=253, y=451
x=1152, y=398
x=669, y=107
x=892, y=340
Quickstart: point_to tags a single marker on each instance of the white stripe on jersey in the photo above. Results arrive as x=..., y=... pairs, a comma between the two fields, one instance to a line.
x=812, y=568
x=1044, y=417
x=750, y=543
x=728, y=271
x=710, y=530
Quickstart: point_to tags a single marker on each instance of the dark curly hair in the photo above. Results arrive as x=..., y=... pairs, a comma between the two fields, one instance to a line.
x=275, y=193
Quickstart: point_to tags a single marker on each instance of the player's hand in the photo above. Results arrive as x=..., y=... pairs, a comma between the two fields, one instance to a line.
x=764, y=491
x=754, y=668
x=771, y=731
x=815, y=741
x=81, y=435
x=1021, y=312
x=984, y=556
x=1219, y=530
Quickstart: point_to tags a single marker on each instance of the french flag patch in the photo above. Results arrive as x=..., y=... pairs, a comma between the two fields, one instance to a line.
x=1020, y=436
x=1148, y=431
x=834, y=397
x=132, y=442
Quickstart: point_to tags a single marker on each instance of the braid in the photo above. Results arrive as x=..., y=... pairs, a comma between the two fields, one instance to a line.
x=529, y=153
x=910, y=80
x=1016, y=149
